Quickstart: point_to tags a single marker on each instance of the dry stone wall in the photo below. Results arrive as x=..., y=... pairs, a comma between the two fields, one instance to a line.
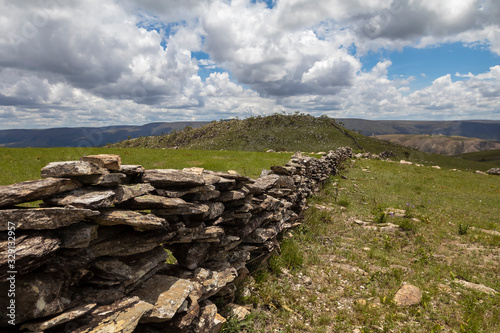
x=93, y=256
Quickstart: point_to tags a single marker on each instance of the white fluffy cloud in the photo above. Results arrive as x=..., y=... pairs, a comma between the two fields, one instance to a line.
x=107, y=62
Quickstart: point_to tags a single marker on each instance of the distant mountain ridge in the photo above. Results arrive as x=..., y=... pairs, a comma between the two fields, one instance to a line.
x=482, y=129
x=100, y=136
x=441, y=144
x=86, y=136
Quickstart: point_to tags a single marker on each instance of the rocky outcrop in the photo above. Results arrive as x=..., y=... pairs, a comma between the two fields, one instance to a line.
x=93, y=257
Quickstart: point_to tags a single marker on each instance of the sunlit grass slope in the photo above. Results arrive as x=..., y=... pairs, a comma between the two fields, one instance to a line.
x=20, y=164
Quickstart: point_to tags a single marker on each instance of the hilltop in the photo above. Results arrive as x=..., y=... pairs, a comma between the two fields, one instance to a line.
x=278, y=132
x=440, y=144
x=288, y=133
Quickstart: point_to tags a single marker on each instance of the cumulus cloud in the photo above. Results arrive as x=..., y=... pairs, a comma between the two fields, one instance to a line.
x=107, y=62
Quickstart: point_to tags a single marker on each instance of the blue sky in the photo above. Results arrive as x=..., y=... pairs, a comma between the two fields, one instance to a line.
x=75, y=64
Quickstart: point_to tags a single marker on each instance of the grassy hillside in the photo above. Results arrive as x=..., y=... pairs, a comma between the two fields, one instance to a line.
x=20, y=164
x=441, y=144
x=290, y=133
x=342, y=268
x=277, y=132
x=489, y=156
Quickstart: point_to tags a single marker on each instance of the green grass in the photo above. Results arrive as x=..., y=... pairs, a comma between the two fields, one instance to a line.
x=489, y=156
x=356, y=271
x=20, y=164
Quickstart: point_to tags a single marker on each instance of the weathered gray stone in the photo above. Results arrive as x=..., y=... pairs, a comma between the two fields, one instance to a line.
x=212, y=281
x=151, y=201
x=128, y=270
x=68, y=315
x=108, y=180
x=233, y=195
x=127, y=243
x=44, y=218
x=37, y=296
x=31, y=251
x=283, y=170
x=231, y=174
x=262, y=184
x=84, y=198
x=185, y=209
x=224, y=184
x=71, y=169
x=494, y=171
x=162, y=178
x=167, y=293
x=132, y=170
x=121, y=316
x=260, y=236
x=35, y=190
x=206, y=192
x=215, y=210
x=127, y=192
x=191, y=255
x=77, y=236
x=108, y=161
x=138, y=221
x=476, y=286
x=206, y=320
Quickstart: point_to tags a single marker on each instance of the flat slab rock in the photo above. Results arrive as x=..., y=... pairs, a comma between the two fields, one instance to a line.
x=31, y=251
x=162, y=178
x=44, y=218
x=121, y=316
x=167, y=293
x=71, y=169
x=60, y=319
x=84, y=198
x=35, y=190
x=138, y=221
x=108, y=161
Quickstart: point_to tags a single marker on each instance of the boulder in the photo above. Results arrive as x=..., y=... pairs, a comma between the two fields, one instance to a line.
x=408, y=295
x=44, y=218
x=108, y=161
x=35, y=190
x=71, y=169
x=164, y=178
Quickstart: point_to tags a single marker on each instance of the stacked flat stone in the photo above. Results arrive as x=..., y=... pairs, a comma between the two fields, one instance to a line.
x=92, y=255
